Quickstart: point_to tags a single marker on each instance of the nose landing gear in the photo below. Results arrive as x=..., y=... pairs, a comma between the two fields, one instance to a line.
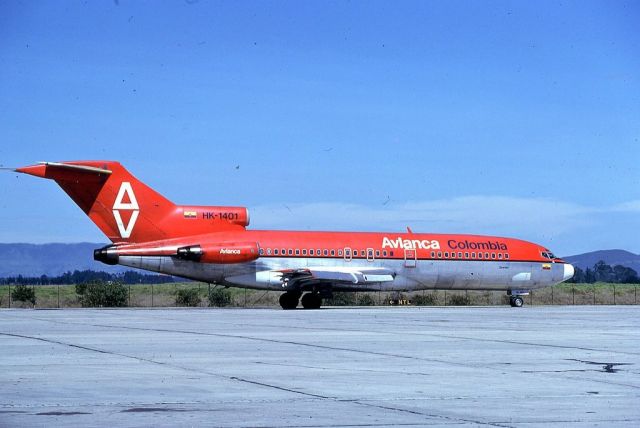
x=516, y=301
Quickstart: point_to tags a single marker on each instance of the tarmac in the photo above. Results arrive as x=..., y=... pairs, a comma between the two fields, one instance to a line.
x=382, y=367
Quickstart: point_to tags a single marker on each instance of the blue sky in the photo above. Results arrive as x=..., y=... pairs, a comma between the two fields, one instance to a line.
x=503, y=118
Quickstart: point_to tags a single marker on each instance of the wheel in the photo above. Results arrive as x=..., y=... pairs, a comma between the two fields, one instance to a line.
x=289, y=300
x=311, y=301
x=517, y=302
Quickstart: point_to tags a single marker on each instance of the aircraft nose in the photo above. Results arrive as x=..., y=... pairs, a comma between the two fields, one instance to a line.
x=568, y=271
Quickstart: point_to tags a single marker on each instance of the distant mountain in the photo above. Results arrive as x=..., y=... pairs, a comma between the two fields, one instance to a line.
x=610, y=257
x=50, y=259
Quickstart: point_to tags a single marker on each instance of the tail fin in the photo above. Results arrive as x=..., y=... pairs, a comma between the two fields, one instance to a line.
x=124, y=208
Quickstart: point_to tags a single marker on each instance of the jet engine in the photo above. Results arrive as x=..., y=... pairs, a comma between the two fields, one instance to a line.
x=220, y=253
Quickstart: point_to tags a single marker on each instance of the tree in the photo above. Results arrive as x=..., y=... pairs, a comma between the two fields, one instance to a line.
x=23, y=293
x=625, y=275
x=603, y=272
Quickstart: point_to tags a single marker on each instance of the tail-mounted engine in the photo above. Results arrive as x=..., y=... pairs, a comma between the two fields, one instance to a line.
x=220, y=253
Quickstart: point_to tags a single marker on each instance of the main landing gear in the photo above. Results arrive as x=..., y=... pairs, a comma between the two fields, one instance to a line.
x=289, y=300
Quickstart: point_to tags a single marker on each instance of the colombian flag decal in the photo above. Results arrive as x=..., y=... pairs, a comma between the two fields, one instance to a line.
x=546, y=266
x=190, y=214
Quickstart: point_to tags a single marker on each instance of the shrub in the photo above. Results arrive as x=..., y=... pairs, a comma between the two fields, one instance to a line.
x=219, y=297
x=459, y=300
x=188, y=297
x=22, y=293
x=102, y=294
x=430, y=299
x=342, y=299
x=366, y=300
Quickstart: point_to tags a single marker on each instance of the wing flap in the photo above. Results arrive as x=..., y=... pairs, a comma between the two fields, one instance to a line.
x=345, y=275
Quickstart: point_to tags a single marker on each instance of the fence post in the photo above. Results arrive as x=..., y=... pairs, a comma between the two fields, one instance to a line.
x=58, y=296
x=551, y=296
x=614, y=294
x=594, y=294
x=573, y=294
x=445, y=297
x=9, y=296
x=152, y=295
x=129, y=298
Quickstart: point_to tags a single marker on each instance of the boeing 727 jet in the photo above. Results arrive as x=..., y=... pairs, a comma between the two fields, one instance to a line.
x=212, y=244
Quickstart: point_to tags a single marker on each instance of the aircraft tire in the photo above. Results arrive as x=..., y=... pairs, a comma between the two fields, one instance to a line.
x=289, y=300
x=311, y=301
x=517, y=302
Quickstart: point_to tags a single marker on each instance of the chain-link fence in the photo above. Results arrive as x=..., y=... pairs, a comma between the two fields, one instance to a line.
x=196, y=294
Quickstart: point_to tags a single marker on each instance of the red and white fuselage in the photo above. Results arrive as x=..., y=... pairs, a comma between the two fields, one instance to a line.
x=213, y=244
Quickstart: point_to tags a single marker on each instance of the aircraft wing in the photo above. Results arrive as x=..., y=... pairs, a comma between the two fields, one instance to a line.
x=344, y=275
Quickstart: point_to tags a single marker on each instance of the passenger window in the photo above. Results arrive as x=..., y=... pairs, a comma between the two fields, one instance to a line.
x=390, y=253
x=290, y=252
x=473, y=255
x=453, y=255
x=493, y=255
x=500, y=256
x=347, y=252
x=318, y=252
x=459, y=255
x=479, y=255
x=275, y=251
x=506, y=256
x=284, y=252
x=384, y=253
x=446, y=254
x=439, y=254
x=340, y=252
x=326, y=252
x=466, y=255
x=311, y=252
x=377, y=253
x=261, y=251
x=268, y=251
x=297, y=251
x=486, y=255
x=304, y=251
x=433, y=254
x=333, y=253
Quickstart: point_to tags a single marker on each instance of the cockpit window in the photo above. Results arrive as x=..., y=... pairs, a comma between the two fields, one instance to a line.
x=548, y=255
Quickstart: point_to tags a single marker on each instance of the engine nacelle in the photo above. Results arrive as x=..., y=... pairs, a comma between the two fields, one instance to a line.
x=220, y=253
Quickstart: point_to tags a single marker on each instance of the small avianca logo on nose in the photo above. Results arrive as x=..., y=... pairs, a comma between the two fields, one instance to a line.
x=132, y=205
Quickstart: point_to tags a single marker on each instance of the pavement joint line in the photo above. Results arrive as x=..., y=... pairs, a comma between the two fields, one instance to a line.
x=455, y=337
x=173, y=366
x=437, y=416
x=349, y=349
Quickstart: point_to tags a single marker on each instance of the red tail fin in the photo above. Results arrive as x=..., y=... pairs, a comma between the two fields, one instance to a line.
x=124, y=208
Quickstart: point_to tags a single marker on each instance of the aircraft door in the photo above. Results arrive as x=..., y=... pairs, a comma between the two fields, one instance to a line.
x=410, y=257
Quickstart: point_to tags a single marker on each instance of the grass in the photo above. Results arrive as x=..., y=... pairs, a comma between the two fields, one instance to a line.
x=164, y=295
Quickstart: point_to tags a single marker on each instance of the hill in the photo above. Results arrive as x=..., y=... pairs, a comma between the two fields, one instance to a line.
x=50, y=259
x=610, y=257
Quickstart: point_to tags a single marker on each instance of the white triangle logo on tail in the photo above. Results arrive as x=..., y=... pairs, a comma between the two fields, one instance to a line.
x=132, y=205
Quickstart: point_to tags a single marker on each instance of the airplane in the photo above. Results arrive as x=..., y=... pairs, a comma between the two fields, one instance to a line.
x=212, y=244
